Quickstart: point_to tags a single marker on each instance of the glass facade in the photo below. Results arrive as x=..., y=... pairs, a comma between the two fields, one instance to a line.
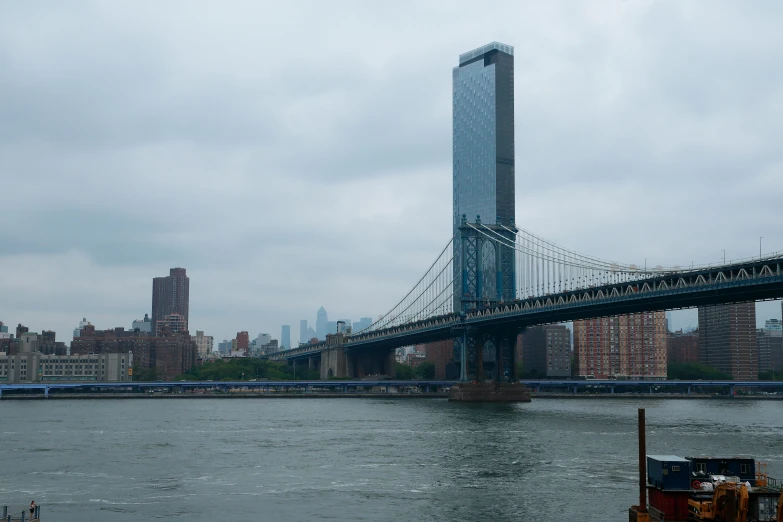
x=483, y=146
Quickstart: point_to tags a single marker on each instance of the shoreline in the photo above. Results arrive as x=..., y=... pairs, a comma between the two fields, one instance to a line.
x=391, y=396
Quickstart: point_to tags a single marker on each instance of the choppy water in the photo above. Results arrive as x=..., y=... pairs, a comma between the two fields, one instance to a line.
x=352, y=459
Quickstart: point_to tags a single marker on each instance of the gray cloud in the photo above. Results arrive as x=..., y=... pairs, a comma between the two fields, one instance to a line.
x=298, y=155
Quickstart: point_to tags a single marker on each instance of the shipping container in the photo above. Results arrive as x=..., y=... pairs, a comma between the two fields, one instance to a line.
x=763, y=504
x=669, y=472
x=673, y=504
x=742, y=467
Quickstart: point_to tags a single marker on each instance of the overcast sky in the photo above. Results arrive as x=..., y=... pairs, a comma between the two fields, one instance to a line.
x=298, y=154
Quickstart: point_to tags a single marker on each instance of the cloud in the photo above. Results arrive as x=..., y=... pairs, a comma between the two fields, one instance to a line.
x=298, y=155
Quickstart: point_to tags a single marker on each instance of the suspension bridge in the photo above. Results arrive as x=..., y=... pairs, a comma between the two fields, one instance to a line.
x=513, y=279
x=493, y=279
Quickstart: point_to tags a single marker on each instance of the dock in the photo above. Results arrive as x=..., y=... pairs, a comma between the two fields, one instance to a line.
x=20, y=514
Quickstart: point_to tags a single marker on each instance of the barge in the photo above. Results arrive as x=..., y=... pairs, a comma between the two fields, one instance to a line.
x=718, y=489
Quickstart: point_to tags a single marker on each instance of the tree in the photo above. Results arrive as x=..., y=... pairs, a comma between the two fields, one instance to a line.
x=771, y=375
x=695, y=372
x=425, y=370
x=403, y=372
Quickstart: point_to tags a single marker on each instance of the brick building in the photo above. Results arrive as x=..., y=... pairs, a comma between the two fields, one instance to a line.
x=441, y=354
x=727, y=339
x=170, y=294
x=682, y=347
x=171, y=354
x=546, y=351
x=625, y=346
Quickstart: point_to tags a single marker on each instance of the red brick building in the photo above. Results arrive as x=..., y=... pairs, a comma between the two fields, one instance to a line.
x=170, y=354
x=682, y=347
x=243, y=341
x=625, y=346
x=441, y=354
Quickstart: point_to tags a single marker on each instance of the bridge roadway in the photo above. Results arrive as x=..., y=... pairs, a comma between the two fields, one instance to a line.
x=753, y=280
x=534, y=384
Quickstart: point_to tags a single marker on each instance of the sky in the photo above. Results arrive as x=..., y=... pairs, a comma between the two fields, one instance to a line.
x=297, y=154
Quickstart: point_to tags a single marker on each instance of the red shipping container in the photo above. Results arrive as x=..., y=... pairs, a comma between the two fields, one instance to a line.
x=673, y=504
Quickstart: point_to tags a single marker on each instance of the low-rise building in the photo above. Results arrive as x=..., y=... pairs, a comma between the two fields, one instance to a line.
x=38, y=367
x=682, y=347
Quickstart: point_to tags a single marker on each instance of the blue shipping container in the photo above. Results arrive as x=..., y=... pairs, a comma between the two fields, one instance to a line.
x=742, y=467
x=669, y=472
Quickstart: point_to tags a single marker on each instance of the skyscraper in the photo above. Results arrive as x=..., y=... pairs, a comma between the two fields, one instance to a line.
x=321, y=321
x=285, y=337
x=170, y=295
x=303, y=331
x=727, y=339
x=483, y=154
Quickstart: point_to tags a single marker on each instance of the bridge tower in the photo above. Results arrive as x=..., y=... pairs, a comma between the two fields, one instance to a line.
x=483, y=187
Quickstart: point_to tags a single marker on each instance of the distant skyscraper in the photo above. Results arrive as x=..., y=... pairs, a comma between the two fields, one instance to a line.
x=3, y=328
x=171, y=294
x=727, y=339
x=285, y=337
x=303, y=331
x=21, y=329
x=77, y=332
x=142, y=325
x=361, y=324
x=483, y=146
x=320, y=323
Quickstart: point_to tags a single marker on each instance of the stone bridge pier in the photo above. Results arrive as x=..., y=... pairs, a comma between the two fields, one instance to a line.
x=488, y=366
x=339, y=361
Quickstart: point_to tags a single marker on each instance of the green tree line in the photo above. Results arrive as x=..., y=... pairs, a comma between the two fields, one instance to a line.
x=248, y=368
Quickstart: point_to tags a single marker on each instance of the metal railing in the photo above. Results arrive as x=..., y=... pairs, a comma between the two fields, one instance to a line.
x=21, y=516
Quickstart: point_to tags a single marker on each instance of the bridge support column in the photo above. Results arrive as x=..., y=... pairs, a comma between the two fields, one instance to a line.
x=689, y=390
x=46, y=392
x=612, y=388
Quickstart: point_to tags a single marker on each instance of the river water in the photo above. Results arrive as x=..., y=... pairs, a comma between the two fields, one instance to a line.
x=356, y=459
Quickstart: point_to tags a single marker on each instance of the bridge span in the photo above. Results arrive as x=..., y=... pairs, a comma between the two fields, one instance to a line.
x=499, y=322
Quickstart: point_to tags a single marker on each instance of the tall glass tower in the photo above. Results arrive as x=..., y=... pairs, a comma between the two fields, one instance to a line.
x=483, y=155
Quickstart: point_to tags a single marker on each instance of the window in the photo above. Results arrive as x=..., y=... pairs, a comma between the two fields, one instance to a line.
x=744, y=468
x=675, y=469
x=701, y=467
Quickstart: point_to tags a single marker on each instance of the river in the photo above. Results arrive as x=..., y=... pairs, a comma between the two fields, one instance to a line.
x=356, y=459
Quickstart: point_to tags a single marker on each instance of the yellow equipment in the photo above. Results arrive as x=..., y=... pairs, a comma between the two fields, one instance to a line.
x=780, y=508
x=728, y=504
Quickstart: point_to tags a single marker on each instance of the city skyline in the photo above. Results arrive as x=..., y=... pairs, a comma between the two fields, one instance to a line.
x=624, y=151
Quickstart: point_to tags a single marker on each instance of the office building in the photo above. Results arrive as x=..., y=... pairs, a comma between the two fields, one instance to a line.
x=204, y=344
x=321, y=320
x=682, y=347
x=303, y=331
x=626, y=346
x=170, y=295
x=727, y=339
x=361, y=324
x=483, y=147
x=224, y=348
x=546, y=351
x=143, y=325
x=78, y=330
x=285, y=338
x=3, y=328
x=770, y=347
